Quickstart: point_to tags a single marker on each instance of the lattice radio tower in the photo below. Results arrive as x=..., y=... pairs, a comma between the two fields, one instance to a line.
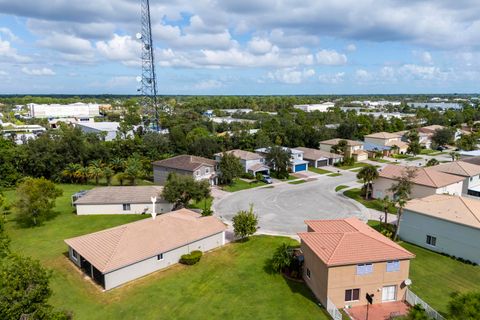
x=148, y=79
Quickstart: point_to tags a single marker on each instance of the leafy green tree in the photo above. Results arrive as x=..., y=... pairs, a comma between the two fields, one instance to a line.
x=230, y=168
x=340, y=147
x=181, y=189
x=70, y=172
x=4, y=240
x=417, y=313
x=464, y=306
x=35, y=201
x=24, y=290
x=82, y=174
x=414, y=146
x=108, y=173
x=401, y=191
x=279, y=158
x=95, y=170
x=443, y=136
x=367, y=174
x=117, y=164
x=282, y=258
x=467, y=142
x=245, y=223
x=454, y=155
x=432, y=162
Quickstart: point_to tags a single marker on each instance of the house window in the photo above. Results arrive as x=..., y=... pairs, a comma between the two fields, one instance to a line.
x=160, y=256
x=74, y=255
x=126, y=207
x=352, y=295
x=197, y=173
x=393, y=266
x=431, y=240
x=365, y=268
x=207, y=170
x=308, y=273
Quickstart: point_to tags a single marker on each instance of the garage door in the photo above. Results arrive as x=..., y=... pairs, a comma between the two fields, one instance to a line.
x=300, y=167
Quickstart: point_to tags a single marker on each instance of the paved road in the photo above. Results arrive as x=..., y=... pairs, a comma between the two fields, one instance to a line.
x=283, y=208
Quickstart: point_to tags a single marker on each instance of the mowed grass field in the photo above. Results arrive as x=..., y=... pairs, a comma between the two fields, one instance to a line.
x=230, y=283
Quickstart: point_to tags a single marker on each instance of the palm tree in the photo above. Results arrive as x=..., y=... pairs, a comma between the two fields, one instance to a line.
x=386, y=204
x=117, y=164
x=367, y=174
x=401, y=191
x=82, y=174
x=454, y=155
x=70, y=170
x=95, y=170
x=133, y=169
x=108, y=173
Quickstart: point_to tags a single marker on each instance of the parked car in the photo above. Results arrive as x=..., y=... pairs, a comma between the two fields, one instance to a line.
x=267, y=179
x=441, y=148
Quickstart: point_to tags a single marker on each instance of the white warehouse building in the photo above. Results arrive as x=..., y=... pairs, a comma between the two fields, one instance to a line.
x=79, y=110
x=322, y=107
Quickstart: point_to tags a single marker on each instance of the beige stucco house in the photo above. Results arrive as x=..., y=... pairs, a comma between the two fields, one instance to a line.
x=354, y=148
x=345, y=259
x=386, y=139
x=469, y=171
x=121, y=254
x=197, y=167
x=427, y=182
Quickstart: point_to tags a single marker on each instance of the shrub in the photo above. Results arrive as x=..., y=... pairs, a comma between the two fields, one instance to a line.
x=191, y=258
x=247, y=175
x=259, y=176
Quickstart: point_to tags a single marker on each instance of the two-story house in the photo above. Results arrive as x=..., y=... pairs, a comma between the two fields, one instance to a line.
x=389, y=140
x=252, y=162
x=353, y=149
x=198, y=167
x=345, y=259
x=469, y=171
x=297, y=163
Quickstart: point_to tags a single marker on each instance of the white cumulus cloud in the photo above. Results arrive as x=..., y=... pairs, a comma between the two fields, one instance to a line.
x=291, y=75
x=38, y=72
x=330, y=57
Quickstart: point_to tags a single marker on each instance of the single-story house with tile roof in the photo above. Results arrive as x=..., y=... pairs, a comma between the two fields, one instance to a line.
x=319, y=158
x=252, y=162
x=198, y=167
x=345, y=259
x=427, y=182
x=470, y=172
x=297, y=164
x=444, y=223
x=121, y=254
x=354, y=148
x=122, y=200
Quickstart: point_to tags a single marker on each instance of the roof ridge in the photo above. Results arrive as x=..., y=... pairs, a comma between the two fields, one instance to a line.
x=336, y=247
x=429, y=177
x=467, y=206
x=114, y=251
x=389, y=242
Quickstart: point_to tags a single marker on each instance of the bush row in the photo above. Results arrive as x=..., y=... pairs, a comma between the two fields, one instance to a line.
x=191, y=258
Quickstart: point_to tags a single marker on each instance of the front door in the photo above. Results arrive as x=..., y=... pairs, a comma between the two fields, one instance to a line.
x=389, y=293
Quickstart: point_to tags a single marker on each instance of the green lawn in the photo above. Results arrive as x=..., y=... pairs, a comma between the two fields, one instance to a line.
x=400, y=156
x=239, y=184
x=380, y=160
x=202, y=204
x=372, y=203
x=428, y=151
x=340, y=187
x=318, y=170
x=355, y=165
x=413, y=158
x=297, y=182
x=232, y=282
x=436, y=277
x=335, y=174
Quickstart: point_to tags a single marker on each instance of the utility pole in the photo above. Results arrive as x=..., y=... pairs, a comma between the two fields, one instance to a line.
x=148, y=79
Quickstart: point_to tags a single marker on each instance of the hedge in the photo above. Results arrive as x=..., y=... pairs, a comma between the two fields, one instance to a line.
x=191, y=258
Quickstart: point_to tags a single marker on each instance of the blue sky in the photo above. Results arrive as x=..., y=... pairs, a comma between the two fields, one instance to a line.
x=242, y=47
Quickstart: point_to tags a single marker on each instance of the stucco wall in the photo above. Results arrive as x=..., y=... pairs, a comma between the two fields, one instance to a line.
x=118, y=277
x=318, y=280
x=70, y=254
x=345, y=277
x=135, y=208
x=473, y=182
x=381, y=185
x=454, y=239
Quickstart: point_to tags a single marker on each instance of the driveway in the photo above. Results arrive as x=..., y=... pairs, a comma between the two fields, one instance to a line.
x=283, y=208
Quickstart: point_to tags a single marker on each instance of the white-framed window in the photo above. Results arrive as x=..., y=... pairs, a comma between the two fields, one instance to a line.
x=207, y=170
x=74, y=255
x=352, y=295
x=393, y=266
x=126, y=206
x=160, y=256
x=365, y=268
x=197, y=173
x=308, y=273
x=431, y=240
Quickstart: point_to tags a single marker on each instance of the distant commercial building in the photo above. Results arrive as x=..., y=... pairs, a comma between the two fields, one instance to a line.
x=322, y=107
x=436, y=105
x=107, y=130
x=81, y=111
x=20, y=133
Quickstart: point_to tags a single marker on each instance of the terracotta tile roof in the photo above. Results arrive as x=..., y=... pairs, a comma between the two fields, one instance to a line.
x=242, y=154
x=400, y=144
x=462, y=210
x=431, y=129
x=383, y=135
x=115, y=195
x=425, y=176
x=335, y=141
x=472, y=160
x=350, y=241
x=315, y=154
x=459, y=168
x=185, y=162
x=120, y=246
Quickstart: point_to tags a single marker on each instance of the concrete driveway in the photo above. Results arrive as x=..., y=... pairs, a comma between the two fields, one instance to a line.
x=283, y=208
